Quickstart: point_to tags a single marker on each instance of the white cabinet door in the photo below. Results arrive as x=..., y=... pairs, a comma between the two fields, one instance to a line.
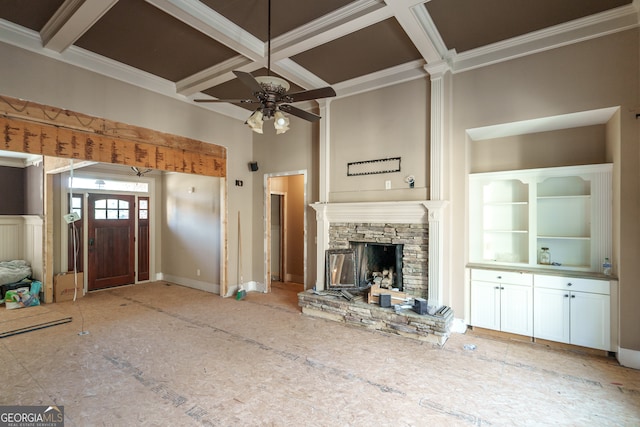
x=590, y=320
x=485, y=304
x=516, y=309
x=551, y=314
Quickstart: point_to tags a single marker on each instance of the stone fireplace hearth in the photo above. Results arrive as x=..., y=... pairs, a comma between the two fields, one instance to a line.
x=414, y=227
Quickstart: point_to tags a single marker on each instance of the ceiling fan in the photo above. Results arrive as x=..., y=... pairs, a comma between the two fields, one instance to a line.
x=271, y=93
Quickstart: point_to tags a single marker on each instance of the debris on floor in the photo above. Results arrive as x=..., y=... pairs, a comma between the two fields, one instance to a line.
x=23, y=297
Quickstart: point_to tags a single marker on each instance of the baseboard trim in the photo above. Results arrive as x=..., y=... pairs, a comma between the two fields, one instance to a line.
x=190, y=283
x=629, y=358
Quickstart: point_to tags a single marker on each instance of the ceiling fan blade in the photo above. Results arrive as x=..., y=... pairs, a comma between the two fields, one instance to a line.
x=230, y=101
x=299, y=113
x=249, y=81
x=305, y=95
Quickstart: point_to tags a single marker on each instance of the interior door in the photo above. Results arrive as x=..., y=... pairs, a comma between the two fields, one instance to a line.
x=111, y=234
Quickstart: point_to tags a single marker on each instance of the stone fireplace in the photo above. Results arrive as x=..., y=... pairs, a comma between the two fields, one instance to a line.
x=409, y=243
x=414, y=230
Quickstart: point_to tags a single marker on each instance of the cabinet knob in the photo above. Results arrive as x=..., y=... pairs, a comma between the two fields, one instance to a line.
x=497, y=287
x=566, y=295
x=569, y=284
x=501, y=288
x=573, y=296
x=499, y=277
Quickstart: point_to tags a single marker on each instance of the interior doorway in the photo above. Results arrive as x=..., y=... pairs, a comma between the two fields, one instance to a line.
x=285, y=228
x=277, y=237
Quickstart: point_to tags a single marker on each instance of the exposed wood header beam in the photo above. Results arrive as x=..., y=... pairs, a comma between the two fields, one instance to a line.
x=38, y=129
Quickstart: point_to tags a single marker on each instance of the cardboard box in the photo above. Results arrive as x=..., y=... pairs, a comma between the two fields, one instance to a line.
x=396, y=297
x=64, y=286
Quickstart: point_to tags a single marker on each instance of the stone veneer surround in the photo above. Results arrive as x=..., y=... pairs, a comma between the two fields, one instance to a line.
x=413, y=237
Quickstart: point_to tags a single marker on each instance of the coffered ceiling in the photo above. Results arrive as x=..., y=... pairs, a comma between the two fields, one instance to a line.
x=188, y=48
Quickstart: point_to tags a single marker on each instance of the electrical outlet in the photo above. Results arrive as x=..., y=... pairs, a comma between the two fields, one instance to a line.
x=198, y=272
x=387, y=184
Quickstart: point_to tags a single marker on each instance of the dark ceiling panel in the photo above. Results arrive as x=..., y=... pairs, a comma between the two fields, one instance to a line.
x=469, y=24
x=140, y=35
x=286, y=15
x=31, y=14
x=371, y=49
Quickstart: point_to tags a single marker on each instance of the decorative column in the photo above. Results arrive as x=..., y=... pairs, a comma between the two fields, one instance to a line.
x=438, y=72
x=322, y=223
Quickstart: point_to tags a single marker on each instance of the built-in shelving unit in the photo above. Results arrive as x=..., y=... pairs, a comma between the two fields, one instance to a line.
x=513, y=214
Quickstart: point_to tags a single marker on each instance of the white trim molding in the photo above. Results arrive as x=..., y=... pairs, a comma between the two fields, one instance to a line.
x=629, y=358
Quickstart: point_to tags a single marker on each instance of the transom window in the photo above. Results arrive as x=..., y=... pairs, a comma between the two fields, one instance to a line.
x=109, y=185
x=111, y=209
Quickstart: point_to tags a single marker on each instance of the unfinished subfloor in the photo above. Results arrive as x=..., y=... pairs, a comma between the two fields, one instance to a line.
x=158, y=354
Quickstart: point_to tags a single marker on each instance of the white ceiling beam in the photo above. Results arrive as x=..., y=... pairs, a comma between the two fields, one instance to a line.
x=197, y=15
x=391, y=76
x=405, y=13
x=71, y=21
x=346, y=20
x=296, y=42
x=215, y=75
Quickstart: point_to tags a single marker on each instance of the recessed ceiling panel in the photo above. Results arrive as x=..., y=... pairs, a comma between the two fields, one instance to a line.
x=31, y=14
x=140, y=35
x=375, y=48
x=469, y=24
x=286, y=15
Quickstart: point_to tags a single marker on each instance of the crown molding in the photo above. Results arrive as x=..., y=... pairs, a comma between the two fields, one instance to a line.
x=609, y=22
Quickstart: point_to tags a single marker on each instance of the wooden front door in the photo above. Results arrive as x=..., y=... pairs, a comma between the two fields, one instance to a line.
x=111, y=234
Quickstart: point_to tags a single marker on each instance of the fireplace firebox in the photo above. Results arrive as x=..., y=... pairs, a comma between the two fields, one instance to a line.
x=378, y=263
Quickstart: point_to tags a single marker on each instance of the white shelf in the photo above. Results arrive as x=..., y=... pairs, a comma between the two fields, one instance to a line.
x=567, y=209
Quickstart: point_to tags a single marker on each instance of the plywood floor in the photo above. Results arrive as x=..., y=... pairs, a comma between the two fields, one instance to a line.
x=159, y=355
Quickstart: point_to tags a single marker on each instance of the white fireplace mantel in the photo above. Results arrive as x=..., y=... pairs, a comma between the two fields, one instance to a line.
x=403, y=212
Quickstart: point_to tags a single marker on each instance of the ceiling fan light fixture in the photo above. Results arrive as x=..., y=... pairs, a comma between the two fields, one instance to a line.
x=281, y=122
x=255, y=121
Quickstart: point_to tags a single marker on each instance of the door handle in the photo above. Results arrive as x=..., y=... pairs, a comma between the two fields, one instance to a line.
x=91, y=241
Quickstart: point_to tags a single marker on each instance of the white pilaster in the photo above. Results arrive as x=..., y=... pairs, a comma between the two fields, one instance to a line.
x=322, y=223
x=437, y=71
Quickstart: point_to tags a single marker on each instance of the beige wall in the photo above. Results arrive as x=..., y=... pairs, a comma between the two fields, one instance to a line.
x=294, y=152
x=576, y=146
x=590, y=75
x=191, y=230
x=390, y=122
x=34, y=77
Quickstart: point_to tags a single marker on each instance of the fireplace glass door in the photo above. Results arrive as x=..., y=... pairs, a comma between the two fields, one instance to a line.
x=341, y=269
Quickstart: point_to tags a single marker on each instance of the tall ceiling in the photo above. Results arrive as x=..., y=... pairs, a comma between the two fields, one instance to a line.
x=188, y=48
